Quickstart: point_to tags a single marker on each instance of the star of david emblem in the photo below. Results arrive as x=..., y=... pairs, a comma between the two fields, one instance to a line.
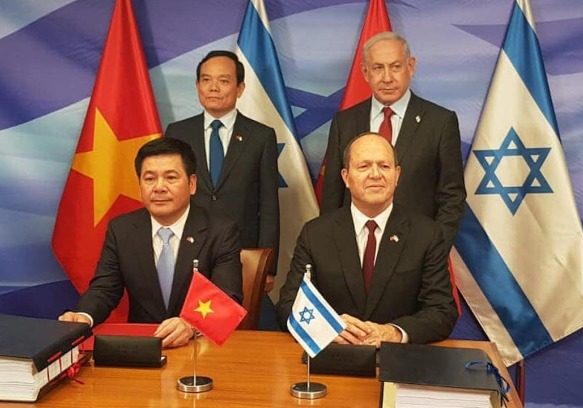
x=513, y=195
x=307, y=315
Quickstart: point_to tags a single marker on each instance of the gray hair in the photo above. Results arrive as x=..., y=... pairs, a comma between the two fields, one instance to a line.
x=385, y=36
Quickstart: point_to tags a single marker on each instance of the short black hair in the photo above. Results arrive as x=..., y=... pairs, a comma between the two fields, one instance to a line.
x=346, y=155
x=166, y=145
x=239, y=68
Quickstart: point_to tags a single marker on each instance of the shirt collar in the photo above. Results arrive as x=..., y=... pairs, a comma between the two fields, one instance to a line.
x=399, y=107
x=227, y=119
x=359, y=219
x=177, y=228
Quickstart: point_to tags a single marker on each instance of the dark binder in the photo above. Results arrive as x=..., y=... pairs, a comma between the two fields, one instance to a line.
x=434, y=366
x=35, y=354
x=39, y=340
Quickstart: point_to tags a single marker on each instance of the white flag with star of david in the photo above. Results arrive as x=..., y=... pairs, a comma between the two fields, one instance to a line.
x=265, y=101
x=313, y=322
x=519, y=251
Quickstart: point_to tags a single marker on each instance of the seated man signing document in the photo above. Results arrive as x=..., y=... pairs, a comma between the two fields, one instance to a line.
x=382, y=267
x=150, y=251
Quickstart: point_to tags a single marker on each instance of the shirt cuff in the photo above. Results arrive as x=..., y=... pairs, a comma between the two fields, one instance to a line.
x=87, y=315
x=404, y=335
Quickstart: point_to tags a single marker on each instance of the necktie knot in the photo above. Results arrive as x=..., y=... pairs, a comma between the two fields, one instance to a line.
x=216, y=125
x=371, y=225
x=165, y=234
x=386, y=127
x=387, y=112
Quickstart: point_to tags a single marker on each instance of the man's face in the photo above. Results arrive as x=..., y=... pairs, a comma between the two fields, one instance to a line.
x=371, y=174
x=165, y=187
x=217, y=86
x=388, y=70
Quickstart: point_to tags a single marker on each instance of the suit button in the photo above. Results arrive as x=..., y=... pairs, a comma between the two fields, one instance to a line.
x=214, y=197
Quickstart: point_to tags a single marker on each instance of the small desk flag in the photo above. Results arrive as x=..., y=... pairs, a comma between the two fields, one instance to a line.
x=210, y=310
x=313, y=322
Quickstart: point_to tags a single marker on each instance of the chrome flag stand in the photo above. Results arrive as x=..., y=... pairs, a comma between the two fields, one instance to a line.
x=194, y=383
x=308, y=389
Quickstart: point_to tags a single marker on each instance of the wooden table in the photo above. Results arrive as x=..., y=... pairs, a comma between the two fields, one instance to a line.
x=253, y=369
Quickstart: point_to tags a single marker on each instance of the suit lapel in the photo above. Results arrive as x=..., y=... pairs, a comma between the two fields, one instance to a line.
x=193, y=237
x=144, y=250
x=238, y=143
x=391, y=245
x=349, y=259
x=411, y=121
x=362, y=118
x=202, y=171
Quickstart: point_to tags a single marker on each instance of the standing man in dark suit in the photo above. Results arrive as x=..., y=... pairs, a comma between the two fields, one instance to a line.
x=426, y=137
x=397, y=290
x=238, y=174
x=150, y=251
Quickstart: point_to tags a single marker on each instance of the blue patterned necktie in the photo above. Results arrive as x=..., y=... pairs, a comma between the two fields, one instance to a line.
x=217, y=153
x=166, y=263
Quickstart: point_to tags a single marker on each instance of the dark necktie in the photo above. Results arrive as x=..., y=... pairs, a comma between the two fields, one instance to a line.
x=386, y=128
x=217, y=154
x=165, y=265
x=369, y=253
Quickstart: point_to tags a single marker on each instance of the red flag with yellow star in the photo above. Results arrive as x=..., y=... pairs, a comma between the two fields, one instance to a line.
x=210, y=310
x=357, y=89
x=102, y=183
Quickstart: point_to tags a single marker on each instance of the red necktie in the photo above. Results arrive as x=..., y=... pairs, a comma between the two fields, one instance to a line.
x=386, y=128
x=369, y=253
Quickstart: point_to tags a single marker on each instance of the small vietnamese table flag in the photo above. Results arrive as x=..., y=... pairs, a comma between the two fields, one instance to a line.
x=210, y=310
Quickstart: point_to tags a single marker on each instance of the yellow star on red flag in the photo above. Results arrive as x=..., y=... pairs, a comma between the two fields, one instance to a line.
x=204, y=308
x=110, y=165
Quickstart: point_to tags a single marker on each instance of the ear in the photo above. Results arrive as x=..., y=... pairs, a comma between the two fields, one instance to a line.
x=240, y=89
x=192, y=184
x=344, y=174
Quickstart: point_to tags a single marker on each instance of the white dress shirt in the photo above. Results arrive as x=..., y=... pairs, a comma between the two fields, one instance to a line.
x=399, y=108
x=225, y=131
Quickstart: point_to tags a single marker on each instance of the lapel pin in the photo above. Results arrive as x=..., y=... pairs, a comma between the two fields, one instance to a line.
x=418, y=119
x=190, y=239
x=239, y=138
x=394, y=238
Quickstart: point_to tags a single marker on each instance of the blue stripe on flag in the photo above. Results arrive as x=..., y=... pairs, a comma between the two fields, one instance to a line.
x=306, y=338
x=523, y=49
x=256, y=43
x=500, y=287
x=322, y=309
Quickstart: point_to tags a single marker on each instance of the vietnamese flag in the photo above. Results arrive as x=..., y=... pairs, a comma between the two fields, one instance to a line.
x=102, y=183
x=210, y=310
x=357, y=89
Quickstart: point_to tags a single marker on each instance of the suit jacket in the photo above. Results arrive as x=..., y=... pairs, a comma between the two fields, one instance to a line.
x=247, y=191
x=127, y=262
x=428, y=150
x=410, y=285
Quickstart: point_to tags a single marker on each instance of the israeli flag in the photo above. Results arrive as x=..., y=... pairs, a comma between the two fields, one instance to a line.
x=519, y=250
x=313, y=322
x=265, y=101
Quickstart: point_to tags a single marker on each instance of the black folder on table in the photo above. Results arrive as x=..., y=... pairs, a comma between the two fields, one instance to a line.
x=30, y=346
x=434, y=366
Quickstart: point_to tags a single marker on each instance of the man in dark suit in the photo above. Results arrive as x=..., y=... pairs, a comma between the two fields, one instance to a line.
x=426, y=137
x=398, y=290
x=245, y=186
x=169, y=231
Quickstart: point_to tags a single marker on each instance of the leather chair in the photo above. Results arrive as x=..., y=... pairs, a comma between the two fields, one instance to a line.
x=256, y=263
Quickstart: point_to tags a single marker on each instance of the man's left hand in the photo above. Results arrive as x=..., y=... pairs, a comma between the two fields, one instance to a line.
x=378, y=333
x=174, y=332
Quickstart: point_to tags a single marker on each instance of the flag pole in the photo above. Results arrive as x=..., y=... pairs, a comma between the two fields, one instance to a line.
x=194, y=383
x=308, y=389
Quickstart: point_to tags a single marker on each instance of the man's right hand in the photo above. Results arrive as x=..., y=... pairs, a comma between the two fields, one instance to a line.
x=74, y=317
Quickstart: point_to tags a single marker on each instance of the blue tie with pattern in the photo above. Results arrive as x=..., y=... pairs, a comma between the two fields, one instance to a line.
x=217, y=154
x=165, y=265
